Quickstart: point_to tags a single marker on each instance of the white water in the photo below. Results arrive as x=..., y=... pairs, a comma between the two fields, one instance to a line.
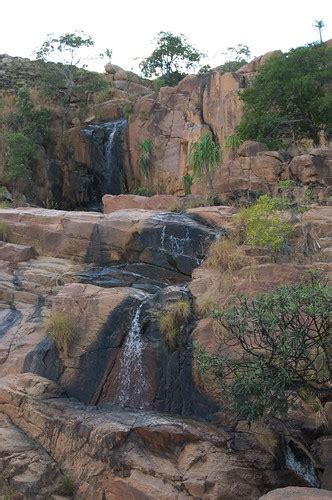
x=304, y=470
x=132, y=381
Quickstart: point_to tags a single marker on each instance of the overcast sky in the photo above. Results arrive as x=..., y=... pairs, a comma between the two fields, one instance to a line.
x=128, y=27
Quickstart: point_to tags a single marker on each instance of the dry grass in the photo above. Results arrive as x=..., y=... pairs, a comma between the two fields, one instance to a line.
x=61, y=328
x=225, y=255
x=172, y=319
x=4, y=231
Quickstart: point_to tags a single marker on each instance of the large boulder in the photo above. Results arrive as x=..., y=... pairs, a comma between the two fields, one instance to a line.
x=297, y=493
x=315, y=167
x=117, y=454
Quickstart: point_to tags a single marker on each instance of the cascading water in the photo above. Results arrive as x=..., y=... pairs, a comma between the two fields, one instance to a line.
x=133, y=384
x=105, y=141
x=302, y=468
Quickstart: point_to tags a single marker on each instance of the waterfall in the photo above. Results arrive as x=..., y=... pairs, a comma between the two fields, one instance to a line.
x=302, y=468
x=133, y=384
x=106, y=156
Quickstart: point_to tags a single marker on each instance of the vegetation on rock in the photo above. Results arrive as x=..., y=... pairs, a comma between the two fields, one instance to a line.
x=205, y=156
x=171, y=59
x=61, y=328
x=264, y=223
x=145, y=148
x=290, y=98
x=284, y=347
x=172, y=319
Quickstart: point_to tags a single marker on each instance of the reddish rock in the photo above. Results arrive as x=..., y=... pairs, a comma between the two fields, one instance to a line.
x=15, y=253
x=315, y=167
x=112, y=203
x=297, y=493
x=251, y=148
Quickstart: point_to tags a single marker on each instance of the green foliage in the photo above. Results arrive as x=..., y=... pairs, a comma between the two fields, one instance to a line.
x=290, y=98
x=61, y=77
x=233, y=142
x=286, y=184
x=187, y=183
x=61, y=328
x=172, y=57
x=319, y=25
x=145, y=148
x=20, y=152
x=172, y=319
x=263, y=223
x=235, y=58
x=205, y=155
x=284, y=345
x=128, y=111
x=144, y=191
x=4, y=231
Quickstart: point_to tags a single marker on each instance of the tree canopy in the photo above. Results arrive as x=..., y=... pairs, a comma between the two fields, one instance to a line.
x=290, y=98
x=171, y=59
x=284, y=346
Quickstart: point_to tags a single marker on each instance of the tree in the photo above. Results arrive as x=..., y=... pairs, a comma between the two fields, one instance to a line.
x=319, y=25
x=20, y=152
x=205, y=155
x=284, y=349
x=236, y=57
x=172, y=57
x=62, y=61
x=290, y=98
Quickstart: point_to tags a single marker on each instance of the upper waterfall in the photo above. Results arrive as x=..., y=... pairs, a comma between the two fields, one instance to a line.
x=105, y=142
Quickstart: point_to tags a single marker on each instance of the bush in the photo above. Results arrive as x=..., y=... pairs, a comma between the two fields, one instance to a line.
x=284, y=349
x=172, y=320
x=263, y=224
x=20, y=153
x=145, y=148
x=61, y=328
x=68, y=486
x=144, y=191
x=290, y=98
x=4, y=231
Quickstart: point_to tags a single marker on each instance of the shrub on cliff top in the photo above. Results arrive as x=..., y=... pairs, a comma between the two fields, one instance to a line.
x=290, y=98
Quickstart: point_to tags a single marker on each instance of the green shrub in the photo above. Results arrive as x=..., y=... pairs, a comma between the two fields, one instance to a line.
x=205, y=155
x=283, y=347
x=145, y=147
x=264, y=224
x=187, y=183
x=172, y=320
x=61, y=328
x=286, y=184
x=4, y=231
x=20, y=153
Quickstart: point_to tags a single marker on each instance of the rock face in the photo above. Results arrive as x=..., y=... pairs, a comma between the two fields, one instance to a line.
x=103, y=450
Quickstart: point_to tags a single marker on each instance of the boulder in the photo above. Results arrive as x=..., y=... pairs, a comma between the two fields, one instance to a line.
x=15, y=253
x=122, y=454
x=315, y=167
x=297, y=493
x=251, y=148
x=112, y=203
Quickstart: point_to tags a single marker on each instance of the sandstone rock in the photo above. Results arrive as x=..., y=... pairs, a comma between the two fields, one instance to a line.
x=253, y=66
x=297, y=493
x=251, y=148
x=15, y=253
x=112, y=68
x=110, y=463
x=26, y=467
x=315, y=167
x=123, y=201
x=322, y=449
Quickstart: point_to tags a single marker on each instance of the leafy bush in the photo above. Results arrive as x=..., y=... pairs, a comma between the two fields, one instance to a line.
x=20, y=153
x=61, y=328
x=172, y=320
x=263, y=223
x=284, y=349
x=290, y=98
x=145, y=148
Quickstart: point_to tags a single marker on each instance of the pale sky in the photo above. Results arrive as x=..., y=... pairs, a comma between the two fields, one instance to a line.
x=128, y=27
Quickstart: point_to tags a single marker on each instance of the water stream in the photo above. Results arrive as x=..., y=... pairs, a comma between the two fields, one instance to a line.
x=133, y=384
x=105, y=142
x=303, y=468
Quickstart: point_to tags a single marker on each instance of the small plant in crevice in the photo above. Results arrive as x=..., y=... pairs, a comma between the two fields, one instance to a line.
x=171, y=321
x=4, y=231
x=232, y=143
x=143, y=191
x=61, y=329
x=187, y=184
x=145, y=148
x=68, y=486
